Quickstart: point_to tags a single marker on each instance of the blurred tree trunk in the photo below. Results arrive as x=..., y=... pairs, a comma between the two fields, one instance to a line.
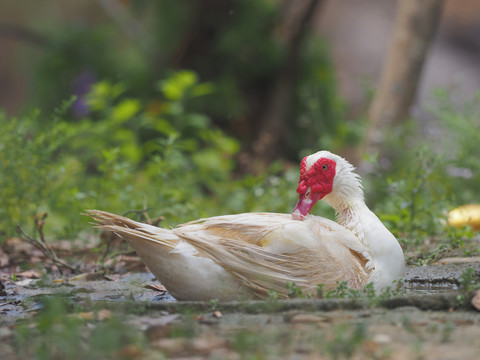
x=268, y=97
x=414, y=30
x=277, y=108
x=25, y=34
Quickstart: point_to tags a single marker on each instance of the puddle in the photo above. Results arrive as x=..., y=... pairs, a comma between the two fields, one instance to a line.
x=25, y=297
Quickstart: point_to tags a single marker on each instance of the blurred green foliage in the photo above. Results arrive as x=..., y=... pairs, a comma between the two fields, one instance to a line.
x=319, y=113
x=128, y=156
x=62, y=331
x=461, y=130
x=240, y=46
x=428, y=176
x=128, y=141
x=165, y=157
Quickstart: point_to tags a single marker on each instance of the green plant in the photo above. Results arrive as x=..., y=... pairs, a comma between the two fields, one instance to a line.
x=294, y=291
x=61, y=331
x=346, y=339
x=462, y=125
x=272, y=296
x=116, y=159
x=320, y=290
x=27, y=168
x=342, y=291
x=416, y=197
x=407, y=324
x=214, y=304
x=447, y=331
x=247, y=343
x=469, y=280
x=451, y=239
x=427, y=177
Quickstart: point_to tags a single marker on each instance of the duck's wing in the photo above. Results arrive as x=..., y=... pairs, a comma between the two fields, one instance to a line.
x=253, y=228
x=262, y=251
x=265, y=251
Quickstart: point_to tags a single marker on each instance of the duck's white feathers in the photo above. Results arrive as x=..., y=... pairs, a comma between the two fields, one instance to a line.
x=234, y=256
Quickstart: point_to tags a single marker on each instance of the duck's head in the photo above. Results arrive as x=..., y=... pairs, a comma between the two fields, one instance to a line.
x=327, y=176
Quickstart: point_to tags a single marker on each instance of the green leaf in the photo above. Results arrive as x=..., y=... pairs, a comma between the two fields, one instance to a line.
x=203, y=89
x=176, y=86
x=125, y=110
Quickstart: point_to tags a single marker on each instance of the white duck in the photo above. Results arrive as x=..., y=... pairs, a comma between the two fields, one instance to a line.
x=240, y=256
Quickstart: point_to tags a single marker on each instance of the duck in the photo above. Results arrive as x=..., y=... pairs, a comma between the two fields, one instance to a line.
x=255, y=255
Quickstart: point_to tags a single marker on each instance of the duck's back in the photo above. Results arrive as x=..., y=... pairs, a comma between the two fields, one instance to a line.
x=266, y=250
x=236, y=256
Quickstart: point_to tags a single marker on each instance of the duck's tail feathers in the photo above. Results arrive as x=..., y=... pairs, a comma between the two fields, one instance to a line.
x=131, y=230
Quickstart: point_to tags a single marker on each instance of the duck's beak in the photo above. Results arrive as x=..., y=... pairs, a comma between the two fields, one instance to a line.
x=305, y=204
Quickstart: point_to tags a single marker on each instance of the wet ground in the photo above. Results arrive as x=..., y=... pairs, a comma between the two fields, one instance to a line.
x=429, y=319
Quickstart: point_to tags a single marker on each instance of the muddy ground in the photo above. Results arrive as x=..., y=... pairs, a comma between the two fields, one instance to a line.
x=430, y=319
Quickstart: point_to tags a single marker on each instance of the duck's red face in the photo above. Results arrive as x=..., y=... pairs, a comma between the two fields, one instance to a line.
x=314, y=184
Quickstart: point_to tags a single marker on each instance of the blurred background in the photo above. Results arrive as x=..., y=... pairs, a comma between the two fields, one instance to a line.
x=197, y=108
x=48, y=48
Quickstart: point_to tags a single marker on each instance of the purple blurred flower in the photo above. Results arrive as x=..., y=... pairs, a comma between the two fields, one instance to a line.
x=81, y=87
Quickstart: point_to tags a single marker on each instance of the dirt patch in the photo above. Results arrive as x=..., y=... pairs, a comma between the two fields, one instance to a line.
x=430, y=319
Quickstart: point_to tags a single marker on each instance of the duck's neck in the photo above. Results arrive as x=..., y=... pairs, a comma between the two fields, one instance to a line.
x=352, y=213
x=348, y=201
x=384, y=252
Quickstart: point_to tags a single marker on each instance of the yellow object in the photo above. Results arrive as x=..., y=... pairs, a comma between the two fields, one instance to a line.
x=465, y=215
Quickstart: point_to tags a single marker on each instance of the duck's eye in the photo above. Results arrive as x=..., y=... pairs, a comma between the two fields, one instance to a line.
x=324, y=167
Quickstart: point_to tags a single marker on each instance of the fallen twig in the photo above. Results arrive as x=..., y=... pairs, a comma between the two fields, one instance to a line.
x=107, y=248
x=42, y=246
x=39, y=222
